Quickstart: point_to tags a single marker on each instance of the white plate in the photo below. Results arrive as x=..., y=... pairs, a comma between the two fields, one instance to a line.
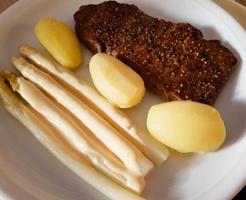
x=29, y=171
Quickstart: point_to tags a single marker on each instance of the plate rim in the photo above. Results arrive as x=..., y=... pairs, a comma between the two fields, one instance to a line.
x=238, y=180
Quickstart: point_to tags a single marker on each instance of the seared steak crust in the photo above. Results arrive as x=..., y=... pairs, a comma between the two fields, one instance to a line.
x=172, y=58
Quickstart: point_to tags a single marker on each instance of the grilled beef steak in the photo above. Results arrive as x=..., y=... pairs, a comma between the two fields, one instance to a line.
x=174, y=59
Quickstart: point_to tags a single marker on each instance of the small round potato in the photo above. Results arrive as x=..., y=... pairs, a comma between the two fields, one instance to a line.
x=116, y=81
x=187, y=126
x=60, y=41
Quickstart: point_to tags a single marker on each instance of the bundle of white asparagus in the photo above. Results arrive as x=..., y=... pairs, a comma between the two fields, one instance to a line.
x=79, y=126
x=66, y=153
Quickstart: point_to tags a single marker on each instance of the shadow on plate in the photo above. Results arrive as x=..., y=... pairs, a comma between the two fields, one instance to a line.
x=11, y=189
x=210, y=33
x=162, y=179
x=233, y=110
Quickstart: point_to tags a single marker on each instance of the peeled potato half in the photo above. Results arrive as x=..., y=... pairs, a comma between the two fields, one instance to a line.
x=116, y=81
x=61, y=42
x=187, y=126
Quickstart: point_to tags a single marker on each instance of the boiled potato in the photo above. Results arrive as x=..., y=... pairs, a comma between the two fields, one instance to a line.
x=187, y=126
x=116, y=81
x=60, y=41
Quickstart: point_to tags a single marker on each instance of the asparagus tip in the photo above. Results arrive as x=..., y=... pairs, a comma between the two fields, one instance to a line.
x=19, y=63
x=11, y=78
x=13, y=59
x=25, y=49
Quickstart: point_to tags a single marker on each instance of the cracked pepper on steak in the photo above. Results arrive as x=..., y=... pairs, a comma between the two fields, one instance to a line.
x=174, y=59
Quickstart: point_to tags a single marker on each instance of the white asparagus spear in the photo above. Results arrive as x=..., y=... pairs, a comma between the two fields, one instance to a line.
x=100, y=157
x=153, y=149
x=120, y=146
x=48, y=136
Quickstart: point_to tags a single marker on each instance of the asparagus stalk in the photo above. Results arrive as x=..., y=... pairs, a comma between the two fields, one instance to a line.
x=48, y=136
x=120, y=146
x=99, y=156
x=148, y=145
